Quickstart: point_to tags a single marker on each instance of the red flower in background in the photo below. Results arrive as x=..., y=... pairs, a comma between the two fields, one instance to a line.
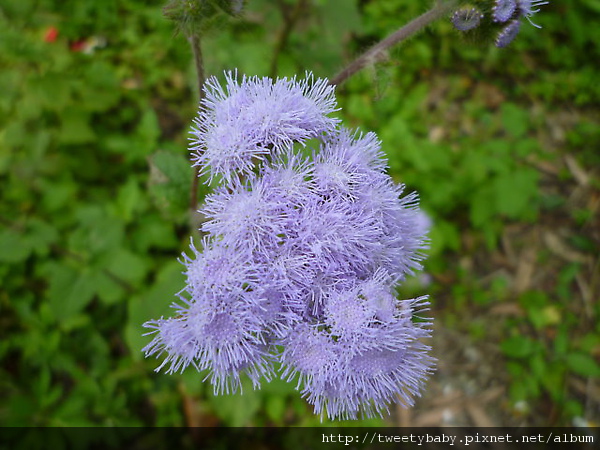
x=78, y=46
x=51, y=34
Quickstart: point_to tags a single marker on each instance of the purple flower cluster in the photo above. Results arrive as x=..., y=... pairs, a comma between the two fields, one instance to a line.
x=506, y=12
x=303, y=249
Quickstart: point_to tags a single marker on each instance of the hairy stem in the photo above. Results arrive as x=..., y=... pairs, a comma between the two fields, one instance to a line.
x=283, y=36
x=199, y=62
x=376, y=52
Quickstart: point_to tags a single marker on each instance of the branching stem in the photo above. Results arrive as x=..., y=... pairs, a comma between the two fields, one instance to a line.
x=375, y=53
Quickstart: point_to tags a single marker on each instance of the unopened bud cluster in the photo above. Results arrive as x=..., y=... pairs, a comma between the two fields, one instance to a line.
x=507, y=14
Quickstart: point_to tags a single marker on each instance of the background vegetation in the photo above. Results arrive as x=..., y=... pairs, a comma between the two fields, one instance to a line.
x=96, y=99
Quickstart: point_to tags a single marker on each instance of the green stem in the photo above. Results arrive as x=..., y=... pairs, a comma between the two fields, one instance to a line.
x=377, y=52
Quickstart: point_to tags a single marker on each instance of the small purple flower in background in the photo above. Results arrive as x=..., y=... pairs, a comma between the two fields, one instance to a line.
x=505, y=13
x=523, y=8
x=526, y=8
x=466, y=19
x=301, y=255
x=508, y=33
x=503, y=10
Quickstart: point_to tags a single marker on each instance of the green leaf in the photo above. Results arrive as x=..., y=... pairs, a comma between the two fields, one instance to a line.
x=154, y=232
x=126, y=265
x=565, y=278
x=70, y=290
x=443, y=235
x=101, y=90
x=593, y=5
x=151, y=305
x=14, y=135
x=338, y=19
x=360, y=106
x=590, y=342
x=22, y=410
x=553, y=380
x=148, y=129
x=561, y=342
x=98, y=231
x=168, y=166
x=40, y=235
x=516, y=193
x=275, y=408
x=482, y=206
x=583, y=364
x=51, y=91
x=538, y=366
x=10, y=82
x=515, y=369
x=14, y=246
x=108, y=289
x=515, y=120
x=517, y=347
x=237, y=410
x=57, y=195
x=170, y=180
x=129, y=200
x=75, y=127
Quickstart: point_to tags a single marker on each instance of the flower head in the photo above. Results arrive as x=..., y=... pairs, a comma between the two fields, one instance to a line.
x=246, y=215
x=221, y=326
x=301, y=255
x=249, y=119
x=359, y=364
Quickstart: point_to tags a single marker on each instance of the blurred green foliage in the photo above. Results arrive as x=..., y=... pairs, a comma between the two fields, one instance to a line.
x=96, y=184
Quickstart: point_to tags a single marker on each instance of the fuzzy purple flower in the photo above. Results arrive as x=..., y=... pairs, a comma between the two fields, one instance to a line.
x=301, y=256
x=221, y=325
x=249, y=120
x=359, y=362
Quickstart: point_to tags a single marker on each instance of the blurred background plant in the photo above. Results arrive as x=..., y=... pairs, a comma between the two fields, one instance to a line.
x=96, y=99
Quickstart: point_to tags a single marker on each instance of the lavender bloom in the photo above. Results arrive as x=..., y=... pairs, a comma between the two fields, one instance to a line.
x=503, y=10
x=301, y=256
x=466, y=19
x=246, y=215
x=345, y=163
x=251, y=119
x=359, y=364
x=383, y=223
x=221, y=326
